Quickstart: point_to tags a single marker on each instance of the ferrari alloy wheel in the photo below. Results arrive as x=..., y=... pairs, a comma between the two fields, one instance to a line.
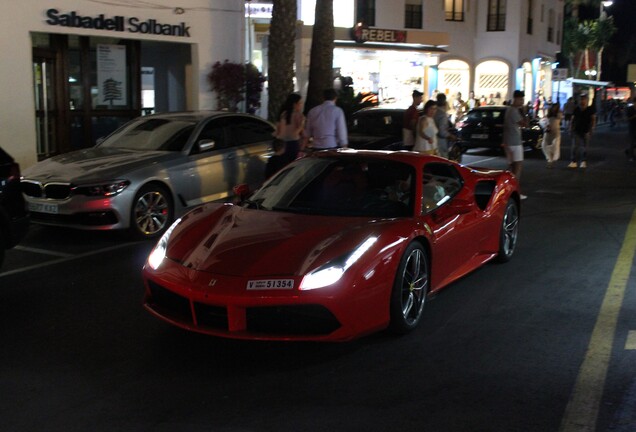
x=152, y=212
x=409, y=289
x=509, y=232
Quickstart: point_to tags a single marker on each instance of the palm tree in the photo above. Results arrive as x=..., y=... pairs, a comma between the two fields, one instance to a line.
x=282, y=36
x=321, y=59
x=602, y=33
x=580, y=38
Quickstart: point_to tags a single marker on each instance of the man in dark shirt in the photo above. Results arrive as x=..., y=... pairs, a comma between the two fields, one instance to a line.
x=411, y=115
x=581, y=127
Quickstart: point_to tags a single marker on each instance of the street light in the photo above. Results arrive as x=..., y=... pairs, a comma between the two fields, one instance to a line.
x=604, y=4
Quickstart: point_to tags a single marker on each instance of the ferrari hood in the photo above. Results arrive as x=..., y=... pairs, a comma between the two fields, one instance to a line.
x=234, y=241
x=93, y=164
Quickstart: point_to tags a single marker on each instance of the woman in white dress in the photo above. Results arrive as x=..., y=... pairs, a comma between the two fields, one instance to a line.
x=552, y=135
x=426, y=139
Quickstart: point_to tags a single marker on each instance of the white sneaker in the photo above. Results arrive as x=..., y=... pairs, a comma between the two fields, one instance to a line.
x=522, y=196
x=583, y=165
x=572, y=165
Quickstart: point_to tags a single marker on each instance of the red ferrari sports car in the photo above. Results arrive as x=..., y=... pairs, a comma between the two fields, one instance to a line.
x=334, y=246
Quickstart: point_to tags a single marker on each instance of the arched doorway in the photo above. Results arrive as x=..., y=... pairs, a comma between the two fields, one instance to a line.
x=492, y=81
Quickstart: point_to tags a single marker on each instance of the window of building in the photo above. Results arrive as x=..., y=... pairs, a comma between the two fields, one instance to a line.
x=454, y=10
x=551, y=25
x=413, y=14
x=496, y=15
x=558, y=35
x=365, y=12
x=542, y=11
x=530, y=16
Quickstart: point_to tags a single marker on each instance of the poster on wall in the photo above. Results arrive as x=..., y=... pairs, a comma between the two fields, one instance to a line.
x=111, y=75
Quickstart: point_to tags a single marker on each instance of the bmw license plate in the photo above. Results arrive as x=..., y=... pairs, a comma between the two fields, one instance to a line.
x=479, y=136
x=269, y=284
x=43, y=208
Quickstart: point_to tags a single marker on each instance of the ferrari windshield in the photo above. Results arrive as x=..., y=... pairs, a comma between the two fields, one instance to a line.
x=341, y=186
x=151, y=134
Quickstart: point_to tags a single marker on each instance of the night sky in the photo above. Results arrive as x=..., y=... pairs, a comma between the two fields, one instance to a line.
x=622, y=50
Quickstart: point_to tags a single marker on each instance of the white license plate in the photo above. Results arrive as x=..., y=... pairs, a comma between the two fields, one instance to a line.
x=43, y=208
x=270, y=284
x=479, y=136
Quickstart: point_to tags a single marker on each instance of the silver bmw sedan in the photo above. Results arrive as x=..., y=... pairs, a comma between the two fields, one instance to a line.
x=149, y=172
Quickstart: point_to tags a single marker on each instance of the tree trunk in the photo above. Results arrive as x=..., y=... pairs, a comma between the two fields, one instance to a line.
x=282, y=39
x=599, y=59
x=321, y=61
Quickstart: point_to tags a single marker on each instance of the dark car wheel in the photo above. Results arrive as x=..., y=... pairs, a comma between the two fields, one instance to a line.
x=152, y=212
x=409, y=289
x=509, y=232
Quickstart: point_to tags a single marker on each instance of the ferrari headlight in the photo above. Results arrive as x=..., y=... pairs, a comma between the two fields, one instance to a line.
x=106, y=189
x=332, y=272
x=159, y=252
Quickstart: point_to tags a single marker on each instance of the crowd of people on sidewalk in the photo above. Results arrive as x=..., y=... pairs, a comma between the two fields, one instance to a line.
x=429, y=132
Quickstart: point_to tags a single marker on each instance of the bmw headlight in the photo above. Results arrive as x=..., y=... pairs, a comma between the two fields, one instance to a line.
x=332, y=272
x=106, y=189
x=158, y=254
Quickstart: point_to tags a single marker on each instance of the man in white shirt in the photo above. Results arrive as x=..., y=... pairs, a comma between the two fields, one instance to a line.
x=326, y=124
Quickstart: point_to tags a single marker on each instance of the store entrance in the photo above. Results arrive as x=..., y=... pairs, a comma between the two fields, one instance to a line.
x=87, y=86
x=46, y=112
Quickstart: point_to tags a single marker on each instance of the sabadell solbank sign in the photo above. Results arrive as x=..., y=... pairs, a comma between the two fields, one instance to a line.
x=116, y=23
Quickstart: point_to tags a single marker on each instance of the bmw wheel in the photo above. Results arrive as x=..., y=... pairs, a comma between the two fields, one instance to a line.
x=152, y=212
x=409, y=289
x=509, y=232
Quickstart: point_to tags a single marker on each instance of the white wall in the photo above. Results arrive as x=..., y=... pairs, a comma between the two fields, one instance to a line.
x=216, y=33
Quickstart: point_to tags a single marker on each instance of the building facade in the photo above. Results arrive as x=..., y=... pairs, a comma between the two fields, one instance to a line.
x=76, y=70
x=489, y=47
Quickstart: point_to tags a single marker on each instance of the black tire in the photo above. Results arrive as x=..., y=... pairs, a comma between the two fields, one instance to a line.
x=410, y=289
x=151, y=213
x=509, y=231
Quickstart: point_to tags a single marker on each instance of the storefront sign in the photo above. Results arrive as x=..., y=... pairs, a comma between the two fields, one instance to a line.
x=111, y=74
x=362, y=33
x=117, y=23
x=259, y=10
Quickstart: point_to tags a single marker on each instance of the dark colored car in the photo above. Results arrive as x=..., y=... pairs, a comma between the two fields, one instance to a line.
x=14, y=219
x=376, y=129
x=483, y=127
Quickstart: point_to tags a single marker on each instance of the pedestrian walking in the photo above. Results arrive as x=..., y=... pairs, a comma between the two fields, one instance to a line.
x=289, y=127
x=581, y=127
x=426, y=139
x=411, y=116
x=631, y=123
x=326, y=126
x=514, y=120
x=551, y=144
x=278, y=160
x=443, y=124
